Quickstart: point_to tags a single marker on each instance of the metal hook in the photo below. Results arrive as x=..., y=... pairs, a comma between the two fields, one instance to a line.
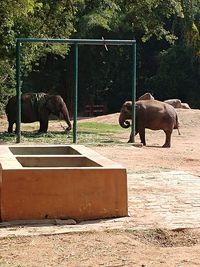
x=105, y=44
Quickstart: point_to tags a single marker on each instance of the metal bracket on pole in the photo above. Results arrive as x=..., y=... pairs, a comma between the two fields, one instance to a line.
x=105, y=44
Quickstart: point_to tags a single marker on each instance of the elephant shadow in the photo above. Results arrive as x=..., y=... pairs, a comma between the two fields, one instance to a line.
x=148, y=146
x=154, y=146
x=36, y=134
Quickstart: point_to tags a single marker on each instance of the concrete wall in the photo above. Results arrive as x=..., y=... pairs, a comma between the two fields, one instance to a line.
x=49, y=186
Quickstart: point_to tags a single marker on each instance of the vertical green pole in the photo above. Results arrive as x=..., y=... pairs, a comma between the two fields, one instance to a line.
x=133, y=93
x=18, y=92
x=75, y=93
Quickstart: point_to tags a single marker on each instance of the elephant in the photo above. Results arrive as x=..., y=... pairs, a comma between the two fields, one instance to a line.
x=146, y=96
x=37, y=107
x=176, y=103
x=185, y=106
x=151, y=114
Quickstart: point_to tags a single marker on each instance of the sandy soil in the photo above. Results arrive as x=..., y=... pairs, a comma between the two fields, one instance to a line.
x=125, y=247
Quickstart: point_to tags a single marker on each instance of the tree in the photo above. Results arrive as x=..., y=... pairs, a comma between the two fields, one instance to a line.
x=178, y=74
x=32, y=18
x=147, y=20
x=167, y=31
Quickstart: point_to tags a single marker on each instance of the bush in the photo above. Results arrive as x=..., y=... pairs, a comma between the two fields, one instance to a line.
x=7, y=83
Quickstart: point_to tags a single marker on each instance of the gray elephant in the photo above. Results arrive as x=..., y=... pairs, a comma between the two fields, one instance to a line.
x=151, y=114
x=37, y=107
x=146, y=96
x=176, y=103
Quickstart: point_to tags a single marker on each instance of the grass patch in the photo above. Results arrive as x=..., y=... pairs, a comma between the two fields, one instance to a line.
x=99, y=127
x=87, y=133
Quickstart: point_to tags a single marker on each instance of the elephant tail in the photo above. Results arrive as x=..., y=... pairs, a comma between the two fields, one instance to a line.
x=177, y=125
x=10, y=105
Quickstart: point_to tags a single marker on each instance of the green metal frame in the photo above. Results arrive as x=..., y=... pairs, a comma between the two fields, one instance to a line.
x=76, y=43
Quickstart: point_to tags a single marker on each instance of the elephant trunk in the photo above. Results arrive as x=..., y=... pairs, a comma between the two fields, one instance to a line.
x=65, y=114
x=123, y=122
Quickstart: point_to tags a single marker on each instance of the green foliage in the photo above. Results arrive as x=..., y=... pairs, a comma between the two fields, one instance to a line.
x=98, y=127
x=165, y=30
x=108, y=73
x=191, y=37
x=31, y=18
x=148, y=18
x=7, y=83
x=177, y=76
x=95, y=15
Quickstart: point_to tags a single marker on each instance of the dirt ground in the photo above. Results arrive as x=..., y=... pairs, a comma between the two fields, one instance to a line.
x=124, y=247
x=184, y=153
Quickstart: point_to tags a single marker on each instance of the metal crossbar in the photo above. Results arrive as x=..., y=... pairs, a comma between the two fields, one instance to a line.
x=77, y=41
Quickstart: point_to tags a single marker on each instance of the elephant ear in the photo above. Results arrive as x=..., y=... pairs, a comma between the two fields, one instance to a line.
x=53, y=104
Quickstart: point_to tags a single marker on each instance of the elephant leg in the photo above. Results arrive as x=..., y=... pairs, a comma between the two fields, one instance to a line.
x=16, y=128
x=168, y=138
x=131, y=138
x=43, y=126
x=142, y=136
x=10, y=127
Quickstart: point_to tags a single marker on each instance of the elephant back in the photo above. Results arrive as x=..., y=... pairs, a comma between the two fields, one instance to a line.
x=38, y=100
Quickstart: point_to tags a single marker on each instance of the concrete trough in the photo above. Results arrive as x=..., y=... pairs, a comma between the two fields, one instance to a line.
x=60, y=182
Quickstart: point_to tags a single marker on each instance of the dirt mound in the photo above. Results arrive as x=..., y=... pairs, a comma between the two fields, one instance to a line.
x=110, y=118
x=189, y=117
